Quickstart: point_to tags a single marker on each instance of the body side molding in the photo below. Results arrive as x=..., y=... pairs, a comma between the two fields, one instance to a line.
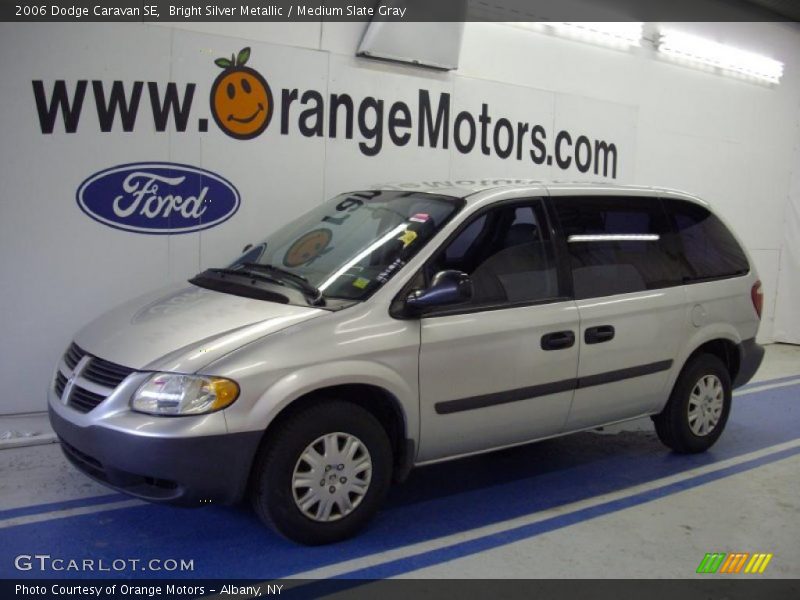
x=461, y=404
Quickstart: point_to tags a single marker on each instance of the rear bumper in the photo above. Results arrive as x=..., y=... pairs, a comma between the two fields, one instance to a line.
x=750, y=356
x=189, y=471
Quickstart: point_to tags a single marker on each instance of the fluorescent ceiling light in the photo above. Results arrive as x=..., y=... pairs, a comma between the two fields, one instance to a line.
x=624, y=33
x=615, y=237
x=691, y=48
x=621, y=35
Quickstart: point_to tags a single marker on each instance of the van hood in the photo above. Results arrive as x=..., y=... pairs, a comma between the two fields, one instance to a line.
x=184, y=328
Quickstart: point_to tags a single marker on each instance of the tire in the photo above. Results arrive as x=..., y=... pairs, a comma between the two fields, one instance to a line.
x=704, y=382
x=324, y=428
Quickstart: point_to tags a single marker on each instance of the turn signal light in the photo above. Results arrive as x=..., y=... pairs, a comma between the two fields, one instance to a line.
x=757, y=296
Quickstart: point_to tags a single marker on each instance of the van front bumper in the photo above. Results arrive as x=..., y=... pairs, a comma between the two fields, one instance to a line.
x=190, y=471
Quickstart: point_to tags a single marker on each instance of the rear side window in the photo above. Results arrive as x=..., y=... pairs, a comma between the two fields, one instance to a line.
x=710, y=249
x=617, y=245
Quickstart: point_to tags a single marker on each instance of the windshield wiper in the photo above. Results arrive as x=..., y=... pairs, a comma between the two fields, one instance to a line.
x=308, y=288
x=246, y=273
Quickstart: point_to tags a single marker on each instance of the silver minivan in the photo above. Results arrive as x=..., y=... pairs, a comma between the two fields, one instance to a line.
x=400, y=326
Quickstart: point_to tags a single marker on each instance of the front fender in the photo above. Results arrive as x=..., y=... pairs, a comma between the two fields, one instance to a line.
x=308, y=379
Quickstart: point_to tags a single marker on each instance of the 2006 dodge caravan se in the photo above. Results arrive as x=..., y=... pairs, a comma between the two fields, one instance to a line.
x=401, y=326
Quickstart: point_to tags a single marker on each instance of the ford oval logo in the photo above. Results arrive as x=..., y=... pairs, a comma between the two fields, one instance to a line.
x=158, y=198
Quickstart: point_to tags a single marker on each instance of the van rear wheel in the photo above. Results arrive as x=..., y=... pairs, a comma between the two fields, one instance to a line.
x=698, y=407
x=323, y=473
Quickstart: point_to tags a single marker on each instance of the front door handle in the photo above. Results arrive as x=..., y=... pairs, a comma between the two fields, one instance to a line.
x=599, y=334
x=558, y=340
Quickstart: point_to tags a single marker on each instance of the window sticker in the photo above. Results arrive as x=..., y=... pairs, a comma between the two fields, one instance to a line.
x=420, y=218
x=384, y=275
x=407, y=238
x=361, y=283
x=308, y=247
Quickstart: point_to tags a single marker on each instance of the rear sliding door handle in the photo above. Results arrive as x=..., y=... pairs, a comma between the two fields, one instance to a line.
x=558, y=340
x=599, y=334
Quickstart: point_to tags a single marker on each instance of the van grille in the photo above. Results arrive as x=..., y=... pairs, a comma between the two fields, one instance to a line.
x=94, y=380
x=84, y=400
x=73, y=355
x=61, y=383
x=105, y=373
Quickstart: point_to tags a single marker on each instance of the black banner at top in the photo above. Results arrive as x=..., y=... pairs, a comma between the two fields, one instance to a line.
x=388, y=10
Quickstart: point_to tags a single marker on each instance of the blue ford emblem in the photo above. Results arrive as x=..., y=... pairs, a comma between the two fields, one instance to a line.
x=158, y=198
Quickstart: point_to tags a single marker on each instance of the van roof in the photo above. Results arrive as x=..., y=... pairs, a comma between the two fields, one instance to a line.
x=464, y=188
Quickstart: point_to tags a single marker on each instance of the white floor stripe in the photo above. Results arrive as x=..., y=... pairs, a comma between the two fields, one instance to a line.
x=68, y=512
x=358, y=563
x=766, y=386
x=462, y=536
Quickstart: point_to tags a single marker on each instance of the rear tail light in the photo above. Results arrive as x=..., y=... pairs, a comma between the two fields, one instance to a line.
x=757, y=296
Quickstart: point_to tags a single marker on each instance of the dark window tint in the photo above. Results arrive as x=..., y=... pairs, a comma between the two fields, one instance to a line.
x=508, y=253
x=710, y=249
x=459, y=246
x=617, y=245
x=524, y=215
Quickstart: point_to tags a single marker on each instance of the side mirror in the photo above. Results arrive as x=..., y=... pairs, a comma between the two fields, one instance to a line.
x=447, y=287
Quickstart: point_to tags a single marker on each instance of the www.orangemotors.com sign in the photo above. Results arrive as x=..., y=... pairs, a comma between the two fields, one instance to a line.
x=242, y=105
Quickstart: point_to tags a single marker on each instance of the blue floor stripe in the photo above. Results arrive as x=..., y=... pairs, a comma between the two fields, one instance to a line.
x=76, y=503
x=92, y=500
x=488, y=542
x=436, y=501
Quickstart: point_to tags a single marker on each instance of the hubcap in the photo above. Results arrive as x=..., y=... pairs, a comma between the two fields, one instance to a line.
x=331, y=477
x=705, y=405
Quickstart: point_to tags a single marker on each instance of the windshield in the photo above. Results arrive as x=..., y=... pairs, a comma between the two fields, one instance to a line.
x=351, y=245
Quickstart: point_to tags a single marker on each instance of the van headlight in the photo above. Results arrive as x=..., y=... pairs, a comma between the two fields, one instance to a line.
x=171, y=394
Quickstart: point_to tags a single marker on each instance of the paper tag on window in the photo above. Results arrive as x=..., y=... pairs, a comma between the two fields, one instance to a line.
x=407, y=237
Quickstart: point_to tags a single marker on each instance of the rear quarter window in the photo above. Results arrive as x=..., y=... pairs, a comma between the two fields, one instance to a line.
x=708, y=246
x=617, y=245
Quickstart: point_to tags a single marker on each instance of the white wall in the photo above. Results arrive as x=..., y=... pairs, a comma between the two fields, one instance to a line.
x=727, y=140
x=787, y=305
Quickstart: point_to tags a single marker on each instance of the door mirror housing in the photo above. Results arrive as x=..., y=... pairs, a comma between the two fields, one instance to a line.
x=447, y=287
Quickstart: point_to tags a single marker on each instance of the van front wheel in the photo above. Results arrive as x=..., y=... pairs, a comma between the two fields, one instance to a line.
x=698, y=407
x=323, y=473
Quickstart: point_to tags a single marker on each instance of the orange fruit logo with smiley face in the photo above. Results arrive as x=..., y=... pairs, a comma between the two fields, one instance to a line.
x=308, y=247
x=241, y=101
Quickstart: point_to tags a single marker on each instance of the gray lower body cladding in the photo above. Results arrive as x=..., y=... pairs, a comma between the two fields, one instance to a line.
x=184, y=471
x=750, y=356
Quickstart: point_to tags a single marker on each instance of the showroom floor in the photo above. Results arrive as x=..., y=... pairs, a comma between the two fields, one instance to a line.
x=601, y=504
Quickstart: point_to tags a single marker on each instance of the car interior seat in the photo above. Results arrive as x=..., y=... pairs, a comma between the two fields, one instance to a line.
x=519, y=271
